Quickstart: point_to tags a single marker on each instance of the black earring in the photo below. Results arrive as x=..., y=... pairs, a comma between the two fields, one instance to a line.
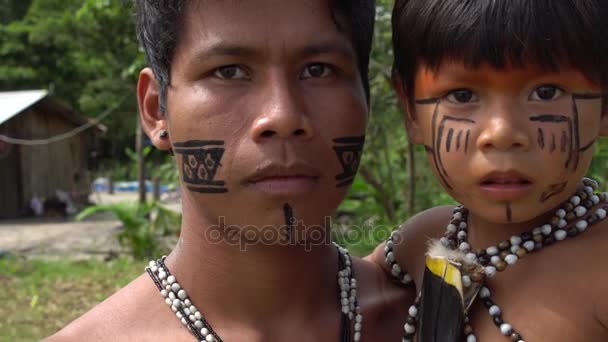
x=163, y=134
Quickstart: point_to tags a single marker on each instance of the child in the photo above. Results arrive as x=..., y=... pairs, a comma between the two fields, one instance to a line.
x=267, y=131
x=507, y=99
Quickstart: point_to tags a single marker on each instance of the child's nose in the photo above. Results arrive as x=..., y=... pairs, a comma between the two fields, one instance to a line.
x=504, y=130
x=281, y=114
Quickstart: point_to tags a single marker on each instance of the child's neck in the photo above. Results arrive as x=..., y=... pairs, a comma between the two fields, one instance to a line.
x=483, y=233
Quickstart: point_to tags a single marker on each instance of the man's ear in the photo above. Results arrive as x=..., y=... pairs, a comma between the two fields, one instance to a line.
x=153, y=121
x=409, y=112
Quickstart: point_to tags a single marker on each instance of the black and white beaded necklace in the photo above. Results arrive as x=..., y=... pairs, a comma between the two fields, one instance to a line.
x=497, y=258
x=177, y=299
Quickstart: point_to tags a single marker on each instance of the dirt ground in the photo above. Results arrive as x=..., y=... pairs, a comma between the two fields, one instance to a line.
x=45, y=238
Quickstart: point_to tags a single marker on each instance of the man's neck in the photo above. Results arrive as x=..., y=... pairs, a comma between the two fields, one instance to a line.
x=257, y=286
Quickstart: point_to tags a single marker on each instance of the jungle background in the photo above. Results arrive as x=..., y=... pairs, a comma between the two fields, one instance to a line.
x=85, y=52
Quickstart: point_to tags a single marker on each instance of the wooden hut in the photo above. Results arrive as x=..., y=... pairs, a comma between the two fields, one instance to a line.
x=39, y=170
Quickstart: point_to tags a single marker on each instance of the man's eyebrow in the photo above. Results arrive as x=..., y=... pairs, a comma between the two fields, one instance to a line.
x=327, y=47
x=225, y=49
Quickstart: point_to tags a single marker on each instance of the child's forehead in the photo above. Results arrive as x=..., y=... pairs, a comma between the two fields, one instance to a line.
x=452, y=72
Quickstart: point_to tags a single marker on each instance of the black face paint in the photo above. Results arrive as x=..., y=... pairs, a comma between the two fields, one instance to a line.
x=348, y=150
x=552, y=147
x=289, y=219
x=509, y=213
x=541, y=139
x=458, y=140
x=553, y=190
x=200, y=161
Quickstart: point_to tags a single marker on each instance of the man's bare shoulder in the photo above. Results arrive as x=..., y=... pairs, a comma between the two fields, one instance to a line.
x=131, y=313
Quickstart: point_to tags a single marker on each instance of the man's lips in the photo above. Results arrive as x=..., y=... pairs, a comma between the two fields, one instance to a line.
x=279, y=179
x=505, y=186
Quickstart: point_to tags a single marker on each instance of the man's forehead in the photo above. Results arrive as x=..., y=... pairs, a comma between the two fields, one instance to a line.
x=262, y=28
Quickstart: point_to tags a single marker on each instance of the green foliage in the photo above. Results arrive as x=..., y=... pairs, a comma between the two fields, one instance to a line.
x=142, y=225
x=39, y=297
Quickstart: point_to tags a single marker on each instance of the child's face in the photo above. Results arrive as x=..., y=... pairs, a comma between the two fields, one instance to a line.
x=512, y=144
x=266, y=107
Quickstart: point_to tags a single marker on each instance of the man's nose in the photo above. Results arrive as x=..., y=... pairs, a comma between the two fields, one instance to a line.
x=504, y=127
x=282, y=113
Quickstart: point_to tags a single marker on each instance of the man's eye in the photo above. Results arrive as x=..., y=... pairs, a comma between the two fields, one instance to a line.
x=316, y=70
x=546, y=92
x=230, y=72
x=461, y=96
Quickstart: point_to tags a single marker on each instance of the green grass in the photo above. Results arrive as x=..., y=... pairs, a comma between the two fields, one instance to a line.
x=40, y=297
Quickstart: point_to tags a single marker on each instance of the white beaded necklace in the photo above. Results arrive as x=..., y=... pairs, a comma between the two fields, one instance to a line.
x=177, y=299
x=497, y=258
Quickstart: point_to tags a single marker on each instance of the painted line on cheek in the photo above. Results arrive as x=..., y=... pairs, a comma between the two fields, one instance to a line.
x=541, y=139
x=466, y=141
x=549, y=118
x=552, y=148
x=564, y=142
x=348, y=150
x=458, y=140
x=448, y=142
x=553, y=190
x=577, y=139
x=588, y=146
x=431, y=100
x=437, y=145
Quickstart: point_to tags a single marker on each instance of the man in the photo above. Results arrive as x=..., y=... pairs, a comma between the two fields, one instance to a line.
x=264, y=105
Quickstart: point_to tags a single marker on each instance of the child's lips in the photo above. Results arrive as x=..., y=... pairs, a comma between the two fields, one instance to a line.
x=505, y=186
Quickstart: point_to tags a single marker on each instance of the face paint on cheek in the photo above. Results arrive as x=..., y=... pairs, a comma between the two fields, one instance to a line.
x=553, y=190
x=348, y=151
x=289, y=219
x=552, y=125
x=201, y=160
x=443, y=147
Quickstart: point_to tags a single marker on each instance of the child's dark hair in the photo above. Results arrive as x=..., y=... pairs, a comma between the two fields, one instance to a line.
x=159, y=24
x=545, y=33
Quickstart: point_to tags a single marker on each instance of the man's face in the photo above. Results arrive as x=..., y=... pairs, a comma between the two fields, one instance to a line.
x=510, y=145
x=266, y=111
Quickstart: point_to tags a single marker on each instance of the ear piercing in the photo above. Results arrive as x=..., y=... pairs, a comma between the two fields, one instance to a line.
x=164, y=134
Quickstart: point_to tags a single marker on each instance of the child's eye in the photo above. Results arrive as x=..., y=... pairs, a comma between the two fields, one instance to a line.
x=546, y=92
x=461, y=96
x=316, y=70
x=230, y=72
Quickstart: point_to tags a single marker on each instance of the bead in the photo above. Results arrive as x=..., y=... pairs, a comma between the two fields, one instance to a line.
x=484, y=292
x=204, y=331
x=529, y=246
x=562, y=223
x=559, y=235
x=503, y=254
x=209, y=338
x=471, y=257
x=548, y=241
x=390, y=258
x=575, y=200
x=511, y=259
x=493, y=250
x=568, y=206
x=466, y=281
x=162, y=275
x=494, y=310
x=501, y=266
x=601, y=213
x=521, y=252
x=471, y=338
x=409, y=329
x=595, y=199
x=357, y=336
x=171, y=280
x=580, y=211
x=490, y=271
x=506, y=329
x=495, y=259
x=561, y=213
x=581, y=225
x=175, y=287
x=198, y=324
x=182, y=294
x=477, y=277
x=546, y=229
x=396, y=270
x=413, y=311
x=464, y=247
x=539, y=238
x=526, y=236
x=515, y=240
x=504, y=245
x=569, y=217
x=514, y=248
x=451, y=228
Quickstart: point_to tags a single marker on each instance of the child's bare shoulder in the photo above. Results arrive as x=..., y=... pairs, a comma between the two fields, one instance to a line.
x=411, y=241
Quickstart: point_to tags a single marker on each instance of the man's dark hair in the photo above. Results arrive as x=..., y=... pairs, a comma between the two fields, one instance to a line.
x=502, y=33
x=159, y=25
